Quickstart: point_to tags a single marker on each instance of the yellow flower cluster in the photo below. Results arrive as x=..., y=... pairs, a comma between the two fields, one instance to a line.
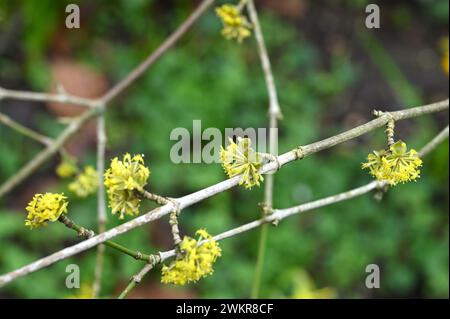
x=85, y=183
x=235, y=25
x=66, y=169
x=194, y=262
x=397, y=165
x=124, y=181
x=44, y=208
x=239, y=158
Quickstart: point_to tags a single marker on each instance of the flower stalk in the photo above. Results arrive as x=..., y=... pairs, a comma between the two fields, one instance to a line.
x=87, y=233
x=160, y=200
x=390, y=127
x=173, y=222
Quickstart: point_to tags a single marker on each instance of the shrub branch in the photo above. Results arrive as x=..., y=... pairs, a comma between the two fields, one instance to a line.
x=274, y=114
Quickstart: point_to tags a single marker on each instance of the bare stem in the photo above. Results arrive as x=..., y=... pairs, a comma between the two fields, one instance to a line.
x=274, y=106
x=431, y=145
x=274, y=114
x=46, y=97
x=87, y=233
x=25, y=130
x=101, y=203
x=136, y=279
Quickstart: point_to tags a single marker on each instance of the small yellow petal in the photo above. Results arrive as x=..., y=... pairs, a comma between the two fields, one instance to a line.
x=45, y=208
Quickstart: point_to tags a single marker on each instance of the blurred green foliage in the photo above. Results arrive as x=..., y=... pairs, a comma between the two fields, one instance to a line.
x=205, y=77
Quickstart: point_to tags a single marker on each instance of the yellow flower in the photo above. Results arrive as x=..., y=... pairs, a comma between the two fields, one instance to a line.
x=235, y=25
x=240, y=159
x=305, y=288
x=124, y=181
x=85, y=183
x=397, y=165
x=66, y=168
x=44, y=208
x=445, y=55
x=377, y=164
x=84, y=292
x=194, y=262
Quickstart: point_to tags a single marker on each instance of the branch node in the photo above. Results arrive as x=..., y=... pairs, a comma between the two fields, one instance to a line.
x=136, y=279
x=299, y=154
x=176, y=205
x=155, y=259
x=138, y=255
x=265, y=209
x=272, y=158
x=380, y=190
x=99, y=107
x=85, y=233
x=275, y=222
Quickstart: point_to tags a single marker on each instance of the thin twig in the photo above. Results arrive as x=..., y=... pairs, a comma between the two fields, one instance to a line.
x=438, y=139
x=188, y=200
x=274, y=114
x=25, y=130
x=136, y=279
x=274, y=106
x=101, y=203
x=87, y=233
x=46, y=97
